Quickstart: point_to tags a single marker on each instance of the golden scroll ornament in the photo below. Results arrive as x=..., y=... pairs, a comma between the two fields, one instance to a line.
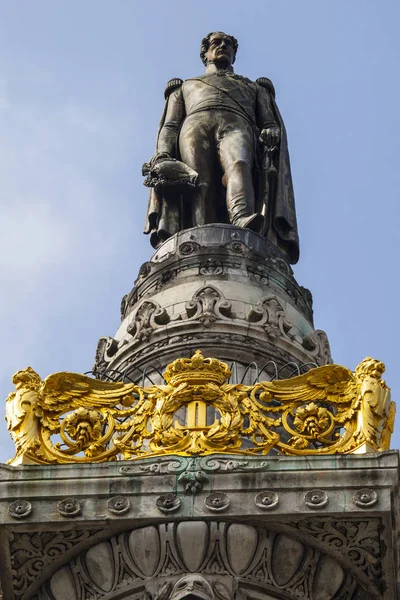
x=72, y=418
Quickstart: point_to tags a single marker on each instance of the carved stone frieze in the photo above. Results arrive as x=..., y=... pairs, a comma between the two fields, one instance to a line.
x=32, y=552
x=217, y=561
x=358, y=540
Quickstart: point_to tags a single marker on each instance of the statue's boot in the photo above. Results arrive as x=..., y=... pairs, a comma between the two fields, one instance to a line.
x=253, y=222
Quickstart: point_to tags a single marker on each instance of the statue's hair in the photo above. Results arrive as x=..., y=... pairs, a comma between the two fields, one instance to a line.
x=369, y=365
x=205, y=43
x=27, y=376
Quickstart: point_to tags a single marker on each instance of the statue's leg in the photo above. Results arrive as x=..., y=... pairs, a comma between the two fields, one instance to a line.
x=236, y=153
x=197, y=149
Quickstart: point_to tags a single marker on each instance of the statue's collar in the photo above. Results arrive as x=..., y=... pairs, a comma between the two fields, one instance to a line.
x=212, y=68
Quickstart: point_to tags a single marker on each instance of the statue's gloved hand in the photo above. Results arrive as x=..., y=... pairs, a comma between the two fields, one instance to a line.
x=158, y=157
x=270, y=137
x=149, y=166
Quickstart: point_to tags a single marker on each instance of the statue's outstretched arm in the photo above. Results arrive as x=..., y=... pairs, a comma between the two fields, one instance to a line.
x=168, y=137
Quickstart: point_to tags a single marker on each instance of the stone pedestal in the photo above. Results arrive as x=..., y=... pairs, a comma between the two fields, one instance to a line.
x=256, y=528
x=225, y=290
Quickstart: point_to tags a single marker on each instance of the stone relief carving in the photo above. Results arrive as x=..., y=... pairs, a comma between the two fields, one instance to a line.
x=203, y=465
x=119, y=505
x=193, y=481
x=106, y=348
x=316, y=499
x=32, y=552
x=208, y=305
x=318, y=345
x=217, y=502
x=147, y=318
x=266, y=500
x=357, y=540
x=365, y=498
x=20, y=509
x=168, y=503
x=211, y=561
x=188, y=248
x=70, y=507
x=270, y=314
x=211, y=267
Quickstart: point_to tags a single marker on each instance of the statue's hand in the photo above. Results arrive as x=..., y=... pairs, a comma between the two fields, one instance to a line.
x=270, y=137
x=159, y=156
x=148, y=166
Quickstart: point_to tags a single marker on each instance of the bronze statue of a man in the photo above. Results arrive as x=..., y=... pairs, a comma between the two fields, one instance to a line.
x=229, y=132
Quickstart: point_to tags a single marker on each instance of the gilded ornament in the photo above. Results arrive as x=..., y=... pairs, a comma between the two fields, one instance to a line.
x=73, y=418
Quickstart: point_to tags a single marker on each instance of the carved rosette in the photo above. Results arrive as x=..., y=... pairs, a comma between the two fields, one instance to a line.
x=70, y=507
x=20, y=509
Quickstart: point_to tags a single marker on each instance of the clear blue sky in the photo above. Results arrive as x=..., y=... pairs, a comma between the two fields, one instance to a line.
x=81, y=93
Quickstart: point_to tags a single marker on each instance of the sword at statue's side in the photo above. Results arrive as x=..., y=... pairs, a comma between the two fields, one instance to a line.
x=268, y=170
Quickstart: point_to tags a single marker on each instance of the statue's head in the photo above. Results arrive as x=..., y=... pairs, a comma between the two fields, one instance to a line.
x=193, y=587
x=220, y=48
x=370, y=366
x=27, y=378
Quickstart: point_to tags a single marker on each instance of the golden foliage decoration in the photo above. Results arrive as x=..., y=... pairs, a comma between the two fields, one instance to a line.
x=71, y=418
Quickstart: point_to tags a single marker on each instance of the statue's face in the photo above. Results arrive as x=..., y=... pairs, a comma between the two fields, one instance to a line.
x=192, y=587
x=220, y=50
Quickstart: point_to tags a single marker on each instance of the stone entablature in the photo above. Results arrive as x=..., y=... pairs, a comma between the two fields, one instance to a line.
x=317, y=528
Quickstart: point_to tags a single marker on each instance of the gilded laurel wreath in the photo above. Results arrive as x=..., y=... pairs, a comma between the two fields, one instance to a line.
x=73, y=418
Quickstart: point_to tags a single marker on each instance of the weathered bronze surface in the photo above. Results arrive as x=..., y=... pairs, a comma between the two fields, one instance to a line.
x=228, y=133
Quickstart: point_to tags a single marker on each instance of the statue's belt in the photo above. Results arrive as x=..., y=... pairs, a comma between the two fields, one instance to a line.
x=224, y=108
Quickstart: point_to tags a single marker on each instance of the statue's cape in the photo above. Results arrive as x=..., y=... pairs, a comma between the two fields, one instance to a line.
x=164, y=215
x=283, y=218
